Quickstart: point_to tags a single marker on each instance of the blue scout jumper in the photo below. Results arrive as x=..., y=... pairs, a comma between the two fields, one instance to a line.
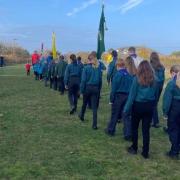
x=120, y=88
x=141, y=100
x=111, y=70
x=171, y=109
x=90, y=83
x=72, y=80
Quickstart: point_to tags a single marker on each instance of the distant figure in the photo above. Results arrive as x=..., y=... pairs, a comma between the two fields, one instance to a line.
x=52, y=71
x=28, y=69
x=35, y=60
x=160, y=75
x=1, y=61
x=112, y=67
x=132, y=53
x=61, y=68
x=45, y=73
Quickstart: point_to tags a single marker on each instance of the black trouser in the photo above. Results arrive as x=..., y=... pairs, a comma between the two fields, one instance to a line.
x=142, y=111
x=55, y=83
x=28, y=72
x=45, y=81
x=155, y=119
x=91, y=94
x=116, y=109
x=174, y=127
x=40, y=77
x=36, y=75
x=73, y=91
x=51, y=82
x=60, y=83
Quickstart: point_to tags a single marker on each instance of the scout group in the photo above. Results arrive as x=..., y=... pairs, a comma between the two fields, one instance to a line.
x=136, y=86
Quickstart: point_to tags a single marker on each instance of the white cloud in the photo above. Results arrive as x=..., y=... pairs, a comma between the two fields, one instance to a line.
x=83, y=6
x=129, y=5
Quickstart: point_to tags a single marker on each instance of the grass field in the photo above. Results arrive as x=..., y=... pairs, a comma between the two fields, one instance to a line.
x=40, y=140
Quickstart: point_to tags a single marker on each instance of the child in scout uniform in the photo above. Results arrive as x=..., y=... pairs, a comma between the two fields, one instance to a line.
x=141, y=100
x=90, y=83
x=52, y=73
x=120, y=87
x=45, y=73
x=160, y=75
x=61, y=67
x=171, y=111
x=112, y=67
x=72, y=81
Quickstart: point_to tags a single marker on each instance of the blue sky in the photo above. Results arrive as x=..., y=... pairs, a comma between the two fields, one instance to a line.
x=152, y=23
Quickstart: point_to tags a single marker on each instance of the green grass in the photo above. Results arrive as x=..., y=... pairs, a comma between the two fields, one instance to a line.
x=40, y=140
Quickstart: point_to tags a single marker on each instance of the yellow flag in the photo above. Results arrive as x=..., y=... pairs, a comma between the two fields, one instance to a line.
x=54, y=52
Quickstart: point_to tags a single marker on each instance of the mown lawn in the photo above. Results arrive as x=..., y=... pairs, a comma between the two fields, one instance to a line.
x=40, y=140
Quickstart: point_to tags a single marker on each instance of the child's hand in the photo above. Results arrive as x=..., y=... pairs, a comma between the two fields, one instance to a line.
x=165, y=117
x=66, y=87
x=110, y=103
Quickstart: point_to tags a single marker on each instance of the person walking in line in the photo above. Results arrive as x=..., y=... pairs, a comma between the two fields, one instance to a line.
x=72, y=81
x=141, y=101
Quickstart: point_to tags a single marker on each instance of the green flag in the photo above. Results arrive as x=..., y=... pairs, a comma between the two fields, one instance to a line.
x=101, y=44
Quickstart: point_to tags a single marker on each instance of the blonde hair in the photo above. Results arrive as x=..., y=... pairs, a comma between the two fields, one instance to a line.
x=130, y=66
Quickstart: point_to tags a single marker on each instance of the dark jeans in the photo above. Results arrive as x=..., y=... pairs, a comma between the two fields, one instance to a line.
x=155, y=119
x=28, y=72
x=127, y=125
x=60, y=84
x=142, y=111
x=91, y=94
x=55, y=83
x=36, y=75
x=174, y=127
x=45, y=81
x=51, y=82
x=116, y=109
x=73, y=91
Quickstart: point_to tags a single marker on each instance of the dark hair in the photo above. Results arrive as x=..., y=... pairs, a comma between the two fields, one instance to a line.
x=73, y=57
x=61, y=57
x=130, y=66
x=145, y=74
x=114, y=54
x=79, y=58
x=155, y=61
x=132, y=49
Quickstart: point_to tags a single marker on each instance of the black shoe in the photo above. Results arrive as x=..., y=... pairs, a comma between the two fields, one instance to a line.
x=156, y=126
x=108, y=133
x=172, y=156
x=128, y=138
x=144, y=155
x=80, y=117
x=73, y=110
x=131, y=150
x=95, y=127
x=165, y=129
